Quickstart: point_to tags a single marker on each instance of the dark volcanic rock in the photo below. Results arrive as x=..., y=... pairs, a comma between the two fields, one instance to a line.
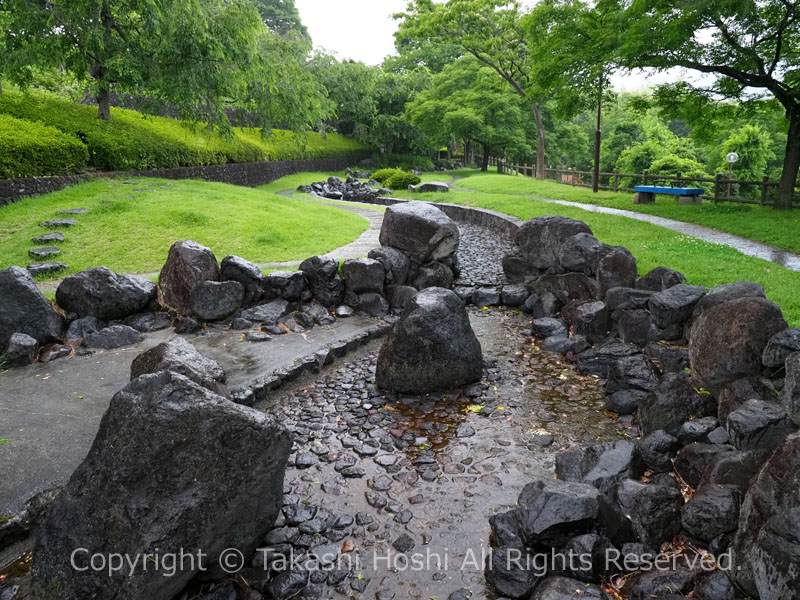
x=621, y=298
x=433, y=274
x=660, y=279
x=179, y=356
x=24, y=309
x=540, y=239
x=727, y=293
x=758, y=425
x=547, y=327
x=22, y=350
x=112, y=337
x=728, y=340
x=625, y=402
x=375, y=305
x=568, y=287
x=542, y=305
x=712, y=511
x=399, y=296
x=216, y=300
x=692, y=460
x=598, y=361
x=767, y=545
x=322, y=274
x=286, y=285
x=102, y=293
x=580, y=253
x=654, y=510
x=736, y=393
x=420, y=229
x=234, y=268
x=780, y=346
x=637, y=327
x=565, y=345
x=394, y=262
x=188, y=263
x=617, y=268
x=635, y=372
x=600, y=465
x=431, y=348
x=655, y=451
x=591, y=320
x=562, y=588
x=672, y=359
x=46, y=268
x=672, y=403
x=507, y=573
x=363, y=275
x=674, y=305
x=791, y=389
x=173, y=467
x=146, y=322
x=269, y=313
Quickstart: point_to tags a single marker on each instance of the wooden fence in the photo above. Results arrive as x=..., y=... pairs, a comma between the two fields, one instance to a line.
x=719, y=188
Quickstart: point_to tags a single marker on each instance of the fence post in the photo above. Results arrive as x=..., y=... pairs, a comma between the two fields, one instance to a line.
x=764, y=192
x=616, y=181
x=717, y=187
x=678, y=180
x=644, y=178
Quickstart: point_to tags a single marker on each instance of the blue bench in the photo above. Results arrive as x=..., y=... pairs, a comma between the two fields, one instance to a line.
x=646, y=194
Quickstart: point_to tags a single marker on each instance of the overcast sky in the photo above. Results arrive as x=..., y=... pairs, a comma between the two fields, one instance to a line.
x=364, y=30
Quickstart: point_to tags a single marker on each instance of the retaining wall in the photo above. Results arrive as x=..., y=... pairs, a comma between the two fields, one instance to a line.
x=244, y=174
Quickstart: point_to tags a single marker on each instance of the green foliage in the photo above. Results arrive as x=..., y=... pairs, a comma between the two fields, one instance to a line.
x=405, y=161
x=752, y=144
x=401, y=180
x=31, y=149
x=383, y=175
x=281, y=17
x=672, y=164
x=132, y=141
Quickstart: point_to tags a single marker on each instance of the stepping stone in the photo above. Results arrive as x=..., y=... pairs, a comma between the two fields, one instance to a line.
x=46, y=268
x=49, y=238
x=74, y=211
x=44, y=252
x=59, y=223
x=144, y=190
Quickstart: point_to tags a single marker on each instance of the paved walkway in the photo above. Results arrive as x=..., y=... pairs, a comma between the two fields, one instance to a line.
x=744, y=245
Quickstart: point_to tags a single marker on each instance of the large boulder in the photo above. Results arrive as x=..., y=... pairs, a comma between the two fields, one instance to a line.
x=540, y=239
x=322, y=274
x=421, y=230
x=188, y=263
x=102, y=293
x=432, y=347
x=216, y=300
x=791, y=389
x=672, y=403
x=24, y=309
x=174, y=468
x=234, y=268
x=766, y=549
x=286, y=285
x=674, y=305
x=727, y=341
x=394, y=262
x=179, y=356
x=580, y=253
x=363, y=275
x=617, y=268
x=728, y=292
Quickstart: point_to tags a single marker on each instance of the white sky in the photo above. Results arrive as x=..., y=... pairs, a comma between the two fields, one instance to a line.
x=364, y=30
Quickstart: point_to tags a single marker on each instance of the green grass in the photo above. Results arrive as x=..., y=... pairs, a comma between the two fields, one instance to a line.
x=703, y=263
x=131, y=231
x=779, y=229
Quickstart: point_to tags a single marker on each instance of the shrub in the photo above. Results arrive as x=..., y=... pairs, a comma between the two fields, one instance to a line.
x=385, y=174
x=32, y=150
x=401, y=181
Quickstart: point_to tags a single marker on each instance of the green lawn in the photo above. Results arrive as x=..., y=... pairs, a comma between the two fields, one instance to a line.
x=702, y=263
x=780, y=229
x=131, y=231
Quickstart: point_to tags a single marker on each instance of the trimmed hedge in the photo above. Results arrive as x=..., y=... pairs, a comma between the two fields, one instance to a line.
x=384, y=175
x=31, y=149
x=133, y=141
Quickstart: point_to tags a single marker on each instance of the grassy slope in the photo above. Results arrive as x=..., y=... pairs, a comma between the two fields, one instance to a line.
x=751, y=221
x=703, y=263
x=131, y=231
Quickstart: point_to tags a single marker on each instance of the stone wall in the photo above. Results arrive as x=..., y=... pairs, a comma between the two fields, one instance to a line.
x=245, y=174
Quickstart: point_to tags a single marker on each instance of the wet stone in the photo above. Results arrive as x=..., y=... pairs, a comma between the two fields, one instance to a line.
x=49, y=238
x=74, y=211
x=44, y=252
x=404, y=544
x=56, y=223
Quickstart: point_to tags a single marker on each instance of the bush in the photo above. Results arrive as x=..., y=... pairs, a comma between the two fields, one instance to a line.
x=32, y=150
x=385, y=174
x=401, y=181
x=133, y=141
x=405, y=161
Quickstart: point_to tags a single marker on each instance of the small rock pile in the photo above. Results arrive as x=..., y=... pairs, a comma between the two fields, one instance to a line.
x=350, y=189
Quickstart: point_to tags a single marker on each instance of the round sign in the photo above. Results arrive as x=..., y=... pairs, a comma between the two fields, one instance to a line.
x=732, y=157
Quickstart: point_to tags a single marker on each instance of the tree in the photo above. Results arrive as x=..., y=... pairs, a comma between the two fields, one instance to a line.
x=281, y=17
x=490, y=31
x=351, y=87
x=467, y=102
x=200, y=56
x=752, y=144
x=751, y=47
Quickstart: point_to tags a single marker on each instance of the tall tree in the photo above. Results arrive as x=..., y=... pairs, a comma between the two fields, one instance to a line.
x=200, y=56
x=281, y=17
x=750, y=47
x=490, y=31
x=467, y=102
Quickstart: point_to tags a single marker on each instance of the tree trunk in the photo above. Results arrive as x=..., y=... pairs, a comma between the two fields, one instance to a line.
x=104, y=104
x=486, y=152
x=537, y=115
x=598, y=138
x=791, y=163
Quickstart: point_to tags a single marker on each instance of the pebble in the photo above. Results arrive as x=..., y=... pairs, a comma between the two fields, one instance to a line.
x=404, y=544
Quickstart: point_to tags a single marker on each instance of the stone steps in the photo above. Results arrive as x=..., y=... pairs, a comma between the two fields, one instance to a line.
x=56, y=237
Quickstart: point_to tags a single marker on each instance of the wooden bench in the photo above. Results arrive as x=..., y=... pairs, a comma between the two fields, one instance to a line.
x=646, y=194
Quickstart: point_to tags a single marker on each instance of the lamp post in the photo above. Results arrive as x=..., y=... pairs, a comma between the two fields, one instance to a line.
x=732, y=158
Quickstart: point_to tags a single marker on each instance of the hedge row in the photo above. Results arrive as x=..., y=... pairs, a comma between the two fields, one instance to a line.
x=30, y=149
x=133, y=141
